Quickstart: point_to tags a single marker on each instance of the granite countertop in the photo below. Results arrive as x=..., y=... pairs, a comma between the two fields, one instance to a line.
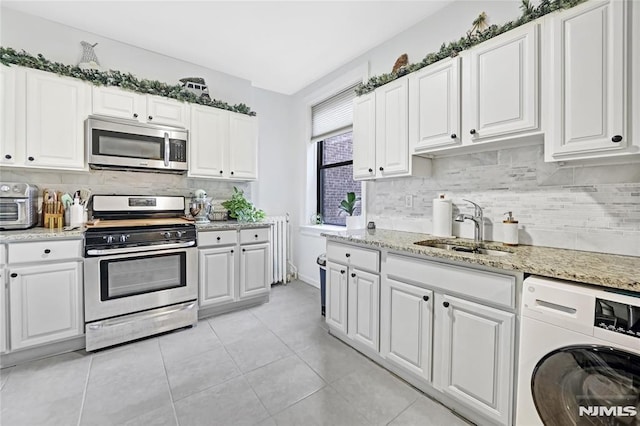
x=607, y=270
x=224, y=225
x=39, y=233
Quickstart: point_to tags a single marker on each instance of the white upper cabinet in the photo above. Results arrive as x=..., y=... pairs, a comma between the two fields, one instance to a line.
x=243, y=147
x=43, y=119
x=208, y=141
x=587, y=69
x=117, y=102
x=364, y=136
x=392, y=128
x=381, y=134
x=223, y=144
x=501, y=84
x=54, y=117
x=9, y=152
x=434, y=106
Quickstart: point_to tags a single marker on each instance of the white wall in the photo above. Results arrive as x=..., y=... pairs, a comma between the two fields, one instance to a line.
x=274, y=191
x=62, y=44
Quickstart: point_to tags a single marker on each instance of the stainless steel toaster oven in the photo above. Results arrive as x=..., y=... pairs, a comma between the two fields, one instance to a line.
x=18, y=205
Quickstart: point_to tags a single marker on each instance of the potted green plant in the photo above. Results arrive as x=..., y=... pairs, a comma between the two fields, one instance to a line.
x=241, y=209
x=348, y=206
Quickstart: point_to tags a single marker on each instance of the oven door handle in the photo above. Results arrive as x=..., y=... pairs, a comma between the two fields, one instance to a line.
x=96, y=252
x=166, y=149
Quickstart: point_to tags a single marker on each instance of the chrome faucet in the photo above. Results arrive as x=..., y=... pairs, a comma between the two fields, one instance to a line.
x=478, y=221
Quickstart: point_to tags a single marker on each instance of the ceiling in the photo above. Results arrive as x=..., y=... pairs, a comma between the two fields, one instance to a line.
x=278, y=45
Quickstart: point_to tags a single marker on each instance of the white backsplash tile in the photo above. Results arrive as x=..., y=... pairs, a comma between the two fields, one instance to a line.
x=124, y=183
x=592, y=208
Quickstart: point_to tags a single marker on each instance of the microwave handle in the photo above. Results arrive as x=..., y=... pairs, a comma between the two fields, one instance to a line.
x=166, y=149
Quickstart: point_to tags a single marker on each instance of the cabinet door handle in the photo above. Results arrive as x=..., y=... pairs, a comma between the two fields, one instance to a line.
x=150, y=117
x=30, y=158
x=135, y=115
x=47, y=251
x=14, y=275
x=8, y=157
x=453, y=136
x=231, y=173
x=218, y=238
x=425, y=298
x=342, y=271
x=472, y=131
x=243, y=250
x=370, y=170
x=616, y=139
x=256, y=236
x=353, y=275
x=348, y=254
x=445, y=304
x=382, y=169
x=231, y=251
x=220, y=171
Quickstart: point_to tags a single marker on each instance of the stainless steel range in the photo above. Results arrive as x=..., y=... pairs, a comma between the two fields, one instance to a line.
x=140, y=271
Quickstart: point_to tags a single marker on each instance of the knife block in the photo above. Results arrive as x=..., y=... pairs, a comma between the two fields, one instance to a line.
x=52, y=214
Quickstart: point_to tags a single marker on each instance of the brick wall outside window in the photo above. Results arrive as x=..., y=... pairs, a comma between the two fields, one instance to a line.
x=337, y=181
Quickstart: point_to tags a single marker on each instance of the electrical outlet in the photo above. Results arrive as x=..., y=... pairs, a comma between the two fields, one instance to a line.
x=408, y=200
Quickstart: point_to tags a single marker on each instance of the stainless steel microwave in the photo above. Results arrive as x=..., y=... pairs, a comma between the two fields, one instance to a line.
x=128, y=145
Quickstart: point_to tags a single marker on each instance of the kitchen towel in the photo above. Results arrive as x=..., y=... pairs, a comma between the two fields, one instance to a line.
x=442, y=217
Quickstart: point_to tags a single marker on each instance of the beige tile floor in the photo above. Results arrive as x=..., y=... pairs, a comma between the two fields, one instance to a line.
x=274, y=364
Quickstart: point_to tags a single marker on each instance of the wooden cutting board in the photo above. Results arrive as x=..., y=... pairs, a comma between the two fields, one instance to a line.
x=139, y=222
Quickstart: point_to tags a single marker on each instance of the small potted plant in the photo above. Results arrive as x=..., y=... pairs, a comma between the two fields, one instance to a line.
x=348, y=205
x=241, y=209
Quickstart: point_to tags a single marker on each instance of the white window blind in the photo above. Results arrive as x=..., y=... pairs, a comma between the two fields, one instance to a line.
x=332, y=115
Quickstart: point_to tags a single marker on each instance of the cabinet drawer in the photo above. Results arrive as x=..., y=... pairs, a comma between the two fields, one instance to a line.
x=354, y=256
x=258, y=235
x=217, y=238
x=495, y=289
x=44, y=250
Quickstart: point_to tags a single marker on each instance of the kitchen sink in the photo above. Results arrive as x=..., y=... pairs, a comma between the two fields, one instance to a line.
x=475, y=248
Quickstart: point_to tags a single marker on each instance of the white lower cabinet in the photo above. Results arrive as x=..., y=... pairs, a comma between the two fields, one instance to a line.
x=230, y=272
x=353, y=294
x=336, y=296
x=45, y=303
x=3, y=312
x=406, y=326
x=447, y=329
x=363, y=302
x=254, y=269
x=217, y=275
x=475, y=359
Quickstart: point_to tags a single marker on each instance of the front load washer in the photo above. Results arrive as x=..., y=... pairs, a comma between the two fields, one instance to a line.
x=579, y=358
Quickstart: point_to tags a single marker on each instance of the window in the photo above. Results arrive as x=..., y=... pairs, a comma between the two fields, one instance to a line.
x=332, y=120
x=335, y=177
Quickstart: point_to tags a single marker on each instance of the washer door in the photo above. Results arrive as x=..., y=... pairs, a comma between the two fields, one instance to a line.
x=587, y=385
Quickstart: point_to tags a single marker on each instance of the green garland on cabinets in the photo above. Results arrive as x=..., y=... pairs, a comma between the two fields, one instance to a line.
x=128, y=81
x=529, y=13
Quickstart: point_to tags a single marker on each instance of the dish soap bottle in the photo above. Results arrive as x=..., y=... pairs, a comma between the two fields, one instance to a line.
x=510, y=230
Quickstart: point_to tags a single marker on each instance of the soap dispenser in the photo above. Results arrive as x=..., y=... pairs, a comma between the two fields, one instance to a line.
x=510, y=230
